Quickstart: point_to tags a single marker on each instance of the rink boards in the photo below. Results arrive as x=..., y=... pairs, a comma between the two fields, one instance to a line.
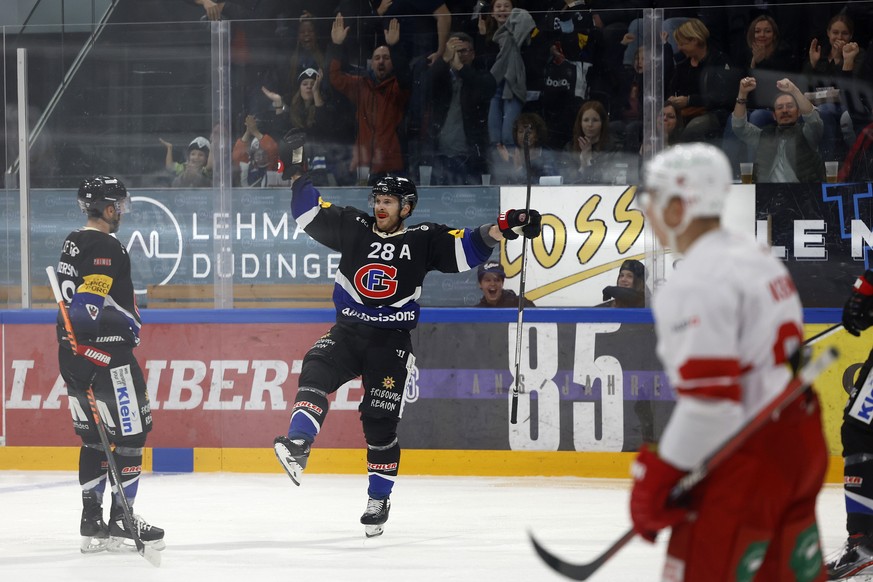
x=221, y=384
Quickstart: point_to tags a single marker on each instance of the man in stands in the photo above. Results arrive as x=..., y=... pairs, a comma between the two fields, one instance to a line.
x=379, y=98
x=787, y=151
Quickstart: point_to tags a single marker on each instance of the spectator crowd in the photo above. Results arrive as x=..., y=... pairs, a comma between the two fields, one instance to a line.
x=391, y=86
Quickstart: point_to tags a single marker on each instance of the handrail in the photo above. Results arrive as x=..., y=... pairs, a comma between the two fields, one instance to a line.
x=62, y=87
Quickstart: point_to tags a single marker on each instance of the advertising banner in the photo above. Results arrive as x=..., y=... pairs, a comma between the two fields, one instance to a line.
x=176, y=236
x=586, y=387
x=822, y=232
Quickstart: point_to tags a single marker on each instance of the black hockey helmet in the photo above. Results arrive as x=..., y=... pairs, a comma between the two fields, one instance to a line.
x=98, y=192
x=402, y=188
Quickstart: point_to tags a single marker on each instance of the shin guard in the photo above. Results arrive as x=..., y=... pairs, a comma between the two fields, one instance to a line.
x=129, y=463
x=383, y=455
x=307, y=416
x=857, y=477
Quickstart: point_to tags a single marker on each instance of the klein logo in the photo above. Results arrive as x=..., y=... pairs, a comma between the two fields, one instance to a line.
x=376, y=281
x=308, y=406
x=101, y=262
x=866, y=409
x=126, y=412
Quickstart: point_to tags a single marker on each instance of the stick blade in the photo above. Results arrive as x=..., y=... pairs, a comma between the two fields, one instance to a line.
x=580, y=571
x=152, y=555
x=572, y=571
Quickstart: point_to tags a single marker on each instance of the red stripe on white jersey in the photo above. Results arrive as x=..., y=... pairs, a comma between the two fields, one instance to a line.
x=716, y=378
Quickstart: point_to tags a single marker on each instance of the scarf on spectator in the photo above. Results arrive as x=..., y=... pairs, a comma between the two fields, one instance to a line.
x=509, y=65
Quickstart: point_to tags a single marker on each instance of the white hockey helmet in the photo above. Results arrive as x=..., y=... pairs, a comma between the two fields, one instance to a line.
x=698, y=173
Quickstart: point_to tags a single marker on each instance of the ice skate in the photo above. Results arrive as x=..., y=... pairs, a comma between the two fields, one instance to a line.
x=293, y=455
x=853, y=560
x=121, y=540
x=375, y=516
x=94, y=531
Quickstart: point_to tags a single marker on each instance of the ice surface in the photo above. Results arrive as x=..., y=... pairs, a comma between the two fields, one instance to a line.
x=261, y=528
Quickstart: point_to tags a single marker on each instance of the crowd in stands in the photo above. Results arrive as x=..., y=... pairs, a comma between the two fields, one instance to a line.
x=388, y=86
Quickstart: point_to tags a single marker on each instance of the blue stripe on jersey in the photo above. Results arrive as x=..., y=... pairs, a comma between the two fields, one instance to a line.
x=471, y=250
x=304, y=198
x=350, y=311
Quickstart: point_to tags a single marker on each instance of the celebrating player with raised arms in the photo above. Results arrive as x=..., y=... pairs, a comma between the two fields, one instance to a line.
x=379, y=281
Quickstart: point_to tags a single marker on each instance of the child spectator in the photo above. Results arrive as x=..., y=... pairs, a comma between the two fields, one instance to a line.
x=257, y=155
x=196, y=172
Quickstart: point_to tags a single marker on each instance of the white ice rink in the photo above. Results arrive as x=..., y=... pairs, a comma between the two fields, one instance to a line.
x=261, y=528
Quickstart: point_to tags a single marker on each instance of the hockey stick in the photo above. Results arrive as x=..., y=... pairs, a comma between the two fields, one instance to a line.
x=519, y=381
x=795, y=387
x=823, y=334
x=147, y=552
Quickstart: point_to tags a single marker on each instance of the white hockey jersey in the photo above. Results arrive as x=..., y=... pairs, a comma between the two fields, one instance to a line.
x=727, y=321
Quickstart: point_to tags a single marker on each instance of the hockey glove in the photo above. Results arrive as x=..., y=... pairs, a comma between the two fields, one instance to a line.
x=649, y=506
x=519, y=222
x=858, y=311
x=95, y=355
x=291, y=153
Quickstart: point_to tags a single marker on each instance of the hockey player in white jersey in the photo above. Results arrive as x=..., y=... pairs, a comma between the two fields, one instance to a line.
x=728, y=321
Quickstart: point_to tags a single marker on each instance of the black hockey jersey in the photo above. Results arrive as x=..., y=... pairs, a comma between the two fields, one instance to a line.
x=95, y=279
x=380, y=276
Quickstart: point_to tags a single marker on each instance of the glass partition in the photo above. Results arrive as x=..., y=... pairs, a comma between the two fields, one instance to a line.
x=189, y=112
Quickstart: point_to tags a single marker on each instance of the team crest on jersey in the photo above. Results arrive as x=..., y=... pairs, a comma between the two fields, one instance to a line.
x=376, y=281
x=93, y=311
x=388, y=383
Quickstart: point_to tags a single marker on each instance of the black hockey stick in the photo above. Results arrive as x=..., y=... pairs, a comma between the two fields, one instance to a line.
x=795, y=387
x=519, y=380
x=147, y=552
x=823, y=334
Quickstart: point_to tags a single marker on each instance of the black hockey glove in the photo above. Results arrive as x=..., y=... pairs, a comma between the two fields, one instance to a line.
x=291, y=153
x=519, y=222
x=858, y=311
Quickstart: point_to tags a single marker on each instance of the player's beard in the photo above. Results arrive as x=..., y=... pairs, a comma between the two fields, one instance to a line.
x=114, y=224
x=389, y=224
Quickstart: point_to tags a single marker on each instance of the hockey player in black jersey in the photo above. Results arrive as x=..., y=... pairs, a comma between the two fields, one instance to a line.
x=381, y=271
x=95, y=280
x=855, y=557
